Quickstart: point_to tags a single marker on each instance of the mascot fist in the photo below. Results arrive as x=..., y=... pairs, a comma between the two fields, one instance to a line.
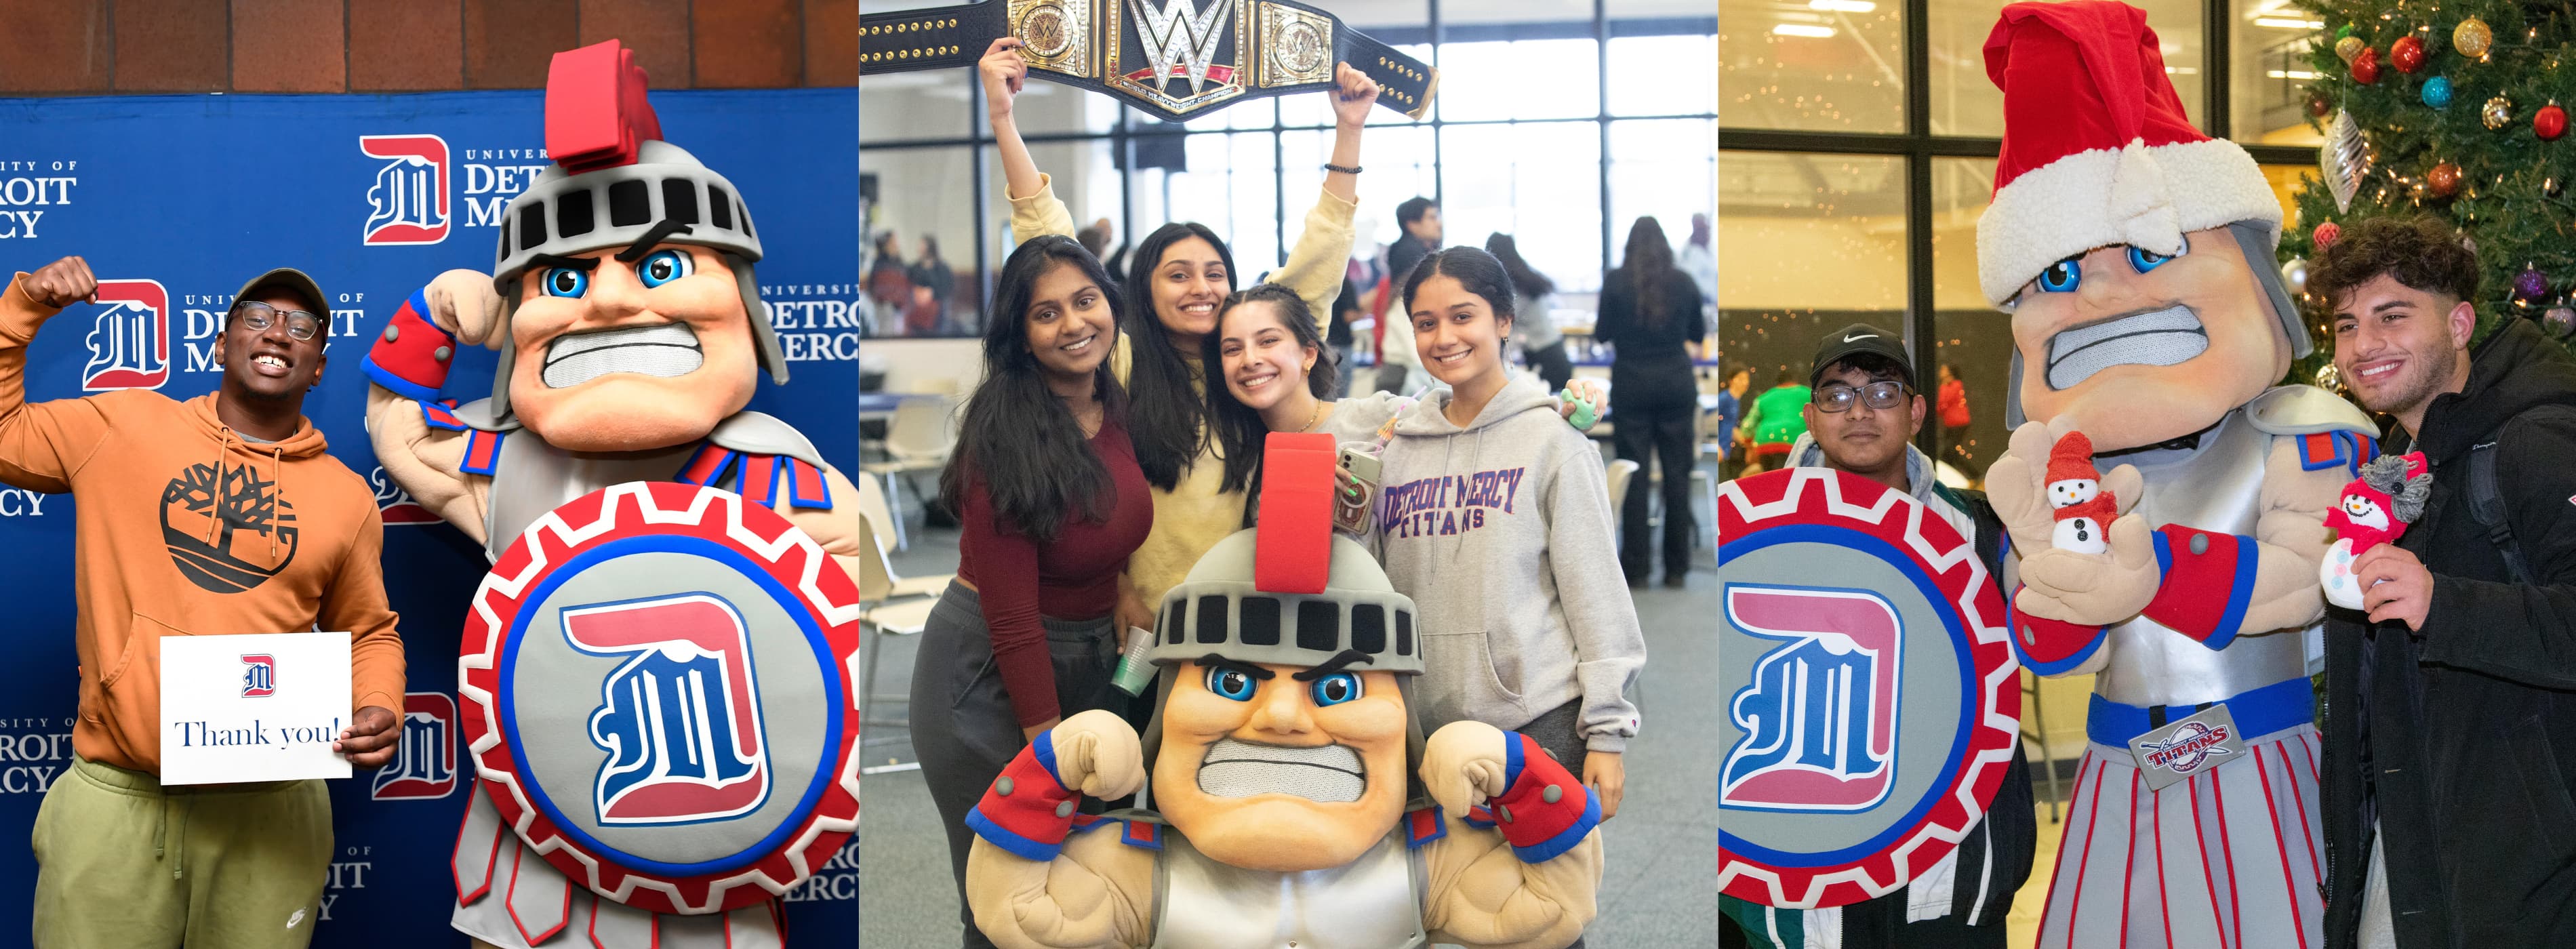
x=463, y=302
x=1463, y=764
x=1097, y=753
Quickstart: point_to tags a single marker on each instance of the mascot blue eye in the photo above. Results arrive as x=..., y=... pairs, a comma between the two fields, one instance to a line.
x=567, y=282
x=662, y=266
x=1337, y=688
x=2061, y=276
x=1231, y=683
x=2145, y=260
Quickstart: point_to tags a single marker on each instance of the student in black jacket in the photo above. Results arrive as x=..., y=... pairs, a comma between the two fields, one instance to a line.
x=2450, y=708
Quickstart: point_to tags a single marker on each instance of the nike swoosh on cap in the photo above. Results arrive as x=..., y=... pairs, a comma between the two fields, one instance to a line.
x=1850, y=339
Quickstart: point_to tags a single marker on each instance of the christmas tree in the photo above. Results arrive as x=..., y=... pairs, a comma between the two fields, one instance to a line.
x=2453, y=109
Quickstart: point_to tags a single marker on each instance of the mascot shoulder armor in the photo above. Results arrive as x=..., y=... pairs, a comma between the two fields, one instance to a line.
x=758, y=434
x=2306, y=410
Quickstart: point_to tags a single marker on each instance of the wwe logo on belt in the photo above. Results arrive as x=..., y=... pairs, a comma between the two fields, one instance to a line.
x=1178, y=33
x=2190, y=746
x=680, y=720
x=425, y=767
x=130, y=348
x=408, y=203
x=259, y=680
x=1819, y=719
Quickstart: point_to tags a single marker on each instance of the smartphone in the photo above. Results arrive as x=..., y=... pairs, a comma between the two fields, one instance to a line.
x=1362, y=466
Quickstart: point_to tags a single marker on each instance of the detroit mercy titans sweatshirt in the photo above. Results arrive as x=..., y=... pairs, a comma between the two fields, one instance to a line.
x=186, y=529
x=1500, y=533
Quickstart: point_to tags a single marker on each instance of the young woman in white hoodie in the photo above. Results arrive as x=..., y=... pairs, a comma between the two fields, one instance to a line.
x=1493, y=515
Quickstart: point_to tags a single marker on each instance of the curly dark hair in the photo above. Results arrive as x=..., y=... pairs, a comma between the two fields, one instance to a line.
x=2414, y=250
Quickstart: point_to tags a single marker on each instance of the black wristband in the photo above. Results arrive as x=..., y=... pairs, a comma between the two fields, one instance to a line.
x=1353, y=170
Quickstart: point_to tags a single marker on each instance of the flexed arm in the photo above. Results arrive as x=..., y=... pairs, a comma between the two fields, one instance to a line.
x=1520, y=865
x=1029, y=886
x=405, y=368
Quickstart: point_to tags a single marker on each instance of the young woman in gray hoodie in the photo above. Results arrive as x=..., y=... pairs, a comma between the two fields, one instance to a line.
x=1494, y=516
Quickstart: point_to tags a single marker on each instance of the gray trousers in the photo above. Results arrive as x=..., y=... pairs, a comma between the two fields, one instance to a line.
x=962, y=724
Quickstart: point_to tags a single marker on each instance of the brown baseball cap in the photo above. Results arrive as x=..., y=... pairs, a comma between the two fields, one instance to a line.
x=293, y=281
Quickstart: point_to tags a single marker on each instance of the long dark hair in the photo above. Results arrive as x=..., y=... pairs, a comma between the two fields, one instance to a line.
x=1239, y=431
x=1648, y=267
x=1036, y=465
x=1528, y=281
x=1170, y=418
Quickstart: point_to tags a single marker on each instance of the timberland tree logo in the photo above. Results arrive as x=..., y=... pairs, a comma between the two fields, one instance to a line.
x=228, y=530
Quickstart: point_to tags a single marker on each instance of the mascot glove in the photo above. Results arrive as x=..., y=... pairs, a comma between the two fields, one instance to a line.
x=464, y=303
x=1030, y=809
x=2089, y=589
x=1541, y=808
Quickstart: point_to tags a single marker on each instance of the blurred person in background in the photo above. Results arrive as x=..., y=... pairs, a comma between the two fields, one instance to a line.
x=1399, y=370
x=1953, y=406
x=1730, y=411
x=1541, y=342
x=933, y=273
x=889, y=283
x=1774, y=422
x=1699, y=261
x=1650, y=315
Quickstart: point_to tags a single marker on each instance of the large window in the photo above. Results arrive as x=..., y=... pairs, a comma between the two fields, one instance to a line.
x=1859, y=145
x=1534, y=133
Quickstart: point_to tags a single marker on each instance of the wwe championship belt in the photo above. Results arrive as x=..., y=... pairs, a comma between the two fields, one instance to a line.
x=1873, y=701
x=1174, y=58
x=658, y=691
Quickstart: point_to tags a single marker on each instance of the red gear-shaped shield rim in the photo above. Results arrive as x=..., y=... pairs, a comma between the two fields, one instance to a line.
x=1822, y=496
x=789, y=555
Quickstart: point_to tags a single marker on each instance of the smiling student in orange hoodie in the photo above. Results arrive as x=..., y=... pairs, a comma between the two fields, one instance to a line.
x=217, y=515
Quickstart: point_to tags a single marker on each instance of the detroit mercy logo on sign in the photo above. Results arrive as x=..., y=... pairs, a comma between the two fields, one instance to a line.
x=658, y=685
x=259, y=676
x=681, y=719
x=1869, y=724
x=130, y=347
x=1820, y=716
x=425, y=766
x=407, y=204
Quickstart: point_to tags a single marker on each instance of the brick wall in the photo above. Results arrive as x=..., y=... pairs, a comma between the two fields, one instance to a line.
x=105, y=47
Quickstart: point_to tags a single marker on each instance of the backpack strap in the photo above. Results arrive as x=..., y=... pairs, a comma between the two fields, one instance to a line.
x=2486, y=503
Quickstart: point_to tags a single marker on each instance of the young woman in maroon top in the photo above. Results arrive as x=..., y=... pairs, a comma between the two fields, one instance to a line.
x=1050, y=501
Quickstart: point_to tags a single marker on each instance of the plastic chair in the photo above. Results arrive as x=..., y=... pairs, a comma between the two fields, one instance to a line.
x=905, y=618
x=919, y=439
x=874, y=512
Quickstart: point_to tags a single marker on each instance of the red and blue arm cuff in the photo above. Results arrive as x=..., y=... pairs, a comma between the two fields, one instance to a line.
x=2197, y=565
x=1543, y=810
x=2051, y=647
x=412, y=356
x=1028, y=810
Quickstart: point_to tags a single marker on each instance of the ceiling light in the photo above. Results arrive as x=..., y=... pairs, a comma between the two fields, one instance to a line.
x=1802, y=29
x=2284, y=23
x=2289, y=74
x=1842, y=6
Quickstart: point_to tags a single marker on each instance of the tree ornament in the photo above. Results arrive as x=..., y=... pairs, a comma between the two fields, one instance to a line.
x=2294, y=275
x=2344, y=158
x=2550, y=122
x=2437, y=92
x=2552, y=187
x=2318, y=105
x=2468, y=243
x=2472, y=38
x=2407, y=54
x=2348, y=47
x=2365, y=67
x=2530, y=285
x=2445, y=179
x=2329, y=378
x=2559, y=321
x=2343, y=31
x=2324, y=236
x=2498, y=113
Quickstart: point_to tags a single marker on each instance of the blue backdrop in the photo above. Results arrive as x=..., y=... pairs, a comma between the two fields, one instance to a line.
x=176, y=200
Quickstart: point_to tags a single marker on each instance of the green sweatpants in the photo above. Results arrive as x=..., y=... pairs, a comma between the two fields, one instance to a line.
x=122, y=863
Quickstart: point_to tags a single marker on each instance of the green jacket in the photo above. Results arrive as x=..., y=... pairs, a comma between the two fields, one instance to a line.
x=1777, y=416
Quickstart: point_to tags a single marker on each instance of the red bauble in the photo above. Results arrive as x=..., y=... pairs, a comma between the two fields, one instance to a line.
x=2549, y=123
x=2445, y=179
x=2325, y=235
x=2407, y=54
x=2365, y=67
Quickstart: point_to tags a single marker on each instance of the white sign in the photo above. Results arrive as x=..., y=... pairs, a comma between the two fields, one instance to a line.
x=260, y=707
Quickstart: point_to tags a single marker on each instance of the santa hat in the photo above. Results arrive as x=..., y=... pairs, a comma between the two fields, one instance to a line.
x=2072, y=460
x=2097, y=149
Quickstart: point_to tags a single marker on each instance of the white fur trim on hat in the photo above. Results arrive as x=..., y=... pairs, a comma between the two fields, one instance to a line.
x=2143, y=196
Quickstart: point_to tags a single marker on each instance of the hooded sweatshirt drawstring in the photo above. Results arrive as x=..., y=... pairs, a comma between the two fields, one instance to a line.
x=215, y=505
x=277, y=457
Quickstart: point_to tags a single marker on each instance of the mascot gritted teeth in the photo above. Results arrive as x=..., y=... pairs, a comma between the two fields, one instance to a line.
x=2165, y=337
x=668, y=350
x=1331, y=774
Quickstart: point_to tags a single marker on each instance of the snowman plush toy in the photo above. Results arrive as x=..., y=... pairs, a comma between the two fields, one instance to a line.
x=2083, y=509
x=2373, y=510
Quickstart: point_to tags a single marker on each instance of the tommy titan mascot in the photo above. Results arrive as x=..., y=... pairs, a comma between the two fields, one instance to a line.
x=2135, y=256
x=631, y=337
x=1280, y=806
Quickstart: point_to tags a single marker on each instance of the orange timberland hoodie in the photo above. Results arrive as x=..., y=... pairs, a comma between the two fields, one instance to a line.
x=186, y=528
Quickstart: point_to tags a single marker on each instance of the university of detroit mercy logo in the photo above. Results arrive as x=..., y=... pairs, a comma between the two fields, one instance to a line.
x=259, y=676
x=659, y=691
x=1869, y=723
x=407, y=204
x=424, y=767
x=130, y=346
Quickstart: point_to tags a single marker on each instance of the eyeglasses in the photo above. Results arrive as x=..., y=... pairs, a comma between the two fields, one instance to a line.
x=1876, y=395
x=260, y=316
